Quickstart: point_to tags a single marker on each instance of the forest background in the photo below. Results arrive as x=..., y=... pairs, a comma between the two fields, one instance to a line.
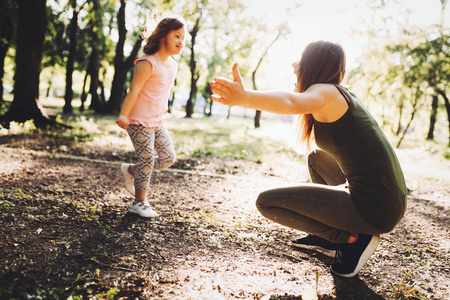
x=84, y=50
x=65, y=67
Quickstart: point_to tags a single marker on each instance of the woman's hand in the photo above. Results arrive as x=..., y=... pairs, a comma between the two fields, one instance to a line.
x=229, y=92
x=123, y=121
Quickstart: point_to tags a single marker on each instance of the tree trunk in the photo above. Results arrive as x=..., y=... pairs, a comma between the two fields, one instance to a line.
x=31, y=28
x=6, y=30
x=194, y=73
x=400, y=116
x=257, y=120
x=121, y=66
x=434, y=107
x=210, y=105
x=98, y=103
x=415, y=108
x=172, y=99
x=406, y=129
x=93, y=71
x=73, y=31
x=83, y=96
x=447, y=107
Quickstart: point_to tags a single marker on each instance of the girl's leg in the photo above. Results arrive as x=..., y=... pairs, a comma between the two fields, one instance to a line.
x=143, y=140
x=164, y=148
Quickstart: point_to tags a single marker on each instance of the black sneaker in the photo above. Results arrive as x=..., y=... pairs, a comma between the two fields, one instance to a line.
x=352, y=257
x=318, y=244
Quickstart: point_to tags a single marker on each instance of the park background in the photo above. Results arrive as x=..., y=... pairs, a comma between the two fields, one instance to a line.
x=66, y=231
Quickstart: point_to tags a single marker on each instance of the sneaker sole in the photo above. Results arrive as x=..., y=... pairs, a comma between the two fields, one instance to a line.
x=370, y=249
x=138, y=213
x=327, y=252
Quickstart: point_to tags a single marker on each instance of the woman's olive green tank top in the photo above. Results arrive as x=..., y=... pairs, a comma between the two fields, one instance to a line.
x=375, y=178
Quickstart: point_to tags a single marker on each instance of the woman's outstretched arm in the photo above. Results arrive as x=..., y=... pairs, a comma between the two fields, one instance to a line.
x=232, y=92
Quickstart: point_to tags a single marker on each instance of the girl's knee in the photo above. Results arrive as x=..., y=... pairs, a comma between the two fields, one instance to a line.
x=169, y=161
x=173, y=159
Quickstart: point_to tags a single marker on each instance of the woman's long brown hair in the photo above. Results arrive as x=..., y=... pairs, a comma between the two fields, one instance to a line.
x=321, y=62
x=163, y=28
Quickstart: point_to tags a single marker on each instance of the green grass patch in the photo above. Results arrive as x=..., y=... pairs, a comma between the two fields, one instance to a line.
x=201, y=137
x=234, y=138
x=4, y=205
x=407, y=289
x=14, y=193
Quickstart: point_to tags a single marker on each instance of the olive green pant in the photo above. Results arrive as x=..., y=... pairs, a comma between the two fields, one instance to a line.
x=323, y=208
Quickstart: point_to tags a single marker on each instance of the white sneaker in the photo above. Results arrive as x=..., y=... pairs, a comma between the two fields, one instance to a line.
x=129, y=179
x=143, y=209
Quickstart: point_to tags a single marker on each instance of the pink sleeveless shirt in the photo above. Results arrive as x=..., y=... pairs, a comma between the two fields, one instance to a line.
x=151, y=103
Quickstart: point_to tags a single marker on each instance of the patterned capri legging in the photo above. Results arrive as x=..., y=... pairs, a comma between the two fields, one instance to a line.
x=146, y=142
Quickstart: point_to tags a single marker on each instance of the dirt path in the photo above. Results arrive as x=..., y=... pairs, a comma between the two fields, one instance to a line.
x=66, y=230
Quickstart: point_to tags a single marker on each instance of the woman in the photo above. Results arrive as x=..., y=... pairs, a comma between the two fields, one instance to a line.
x=358, y=190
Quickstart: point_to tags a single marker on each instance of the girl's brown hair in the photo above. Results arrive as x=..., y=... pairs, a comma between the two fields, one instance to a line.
x=321, y=62
x=163, y=28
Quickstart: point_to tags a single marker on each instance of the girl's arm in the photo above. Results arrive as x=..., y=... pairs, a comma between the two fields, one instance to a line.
x=142, y=73
x=233, y=93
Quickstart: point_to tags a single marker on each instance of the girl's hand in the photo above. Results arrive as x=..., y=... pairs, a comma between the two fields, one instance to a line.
x=229, y=92
x=123, y=121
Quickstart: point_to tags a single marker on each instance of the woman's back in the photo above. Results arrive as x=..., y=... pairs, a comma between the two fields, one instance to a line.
x=375, y=178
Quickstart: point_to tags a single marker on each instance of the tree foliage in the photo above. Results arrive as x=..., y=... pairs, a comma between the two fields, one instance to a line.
x=402, y=70
x=405, y=70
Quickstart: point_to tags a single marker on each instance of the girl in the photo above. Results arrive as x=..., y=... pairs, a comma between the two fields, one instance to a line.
x=358, y=190
x=144, y=106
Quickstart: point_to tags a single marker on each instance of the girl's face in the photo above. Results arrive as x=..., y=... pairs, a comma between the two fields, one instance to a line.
x=174, y=41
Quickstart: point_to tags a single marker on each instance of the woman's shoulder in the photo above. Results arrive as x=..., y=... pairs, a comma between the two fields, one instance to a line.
x=326, y=90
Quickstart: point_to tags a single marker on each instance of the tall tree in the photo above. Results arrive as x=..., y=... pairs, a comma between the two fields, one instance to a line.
x=31, y=28
x=437, y=70
x=282, y=30
x=225, y=22
x=435, y=99
x=8, y=9
x=196, y=9
x=122, y=64
x=100, y=20
x=55, y=44
x=70, y=63
x=447, y=107
x=93, y=69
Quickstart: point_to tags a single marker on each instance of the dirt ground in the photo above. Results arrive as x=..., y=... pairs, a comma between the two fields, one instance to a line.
x=66, y=233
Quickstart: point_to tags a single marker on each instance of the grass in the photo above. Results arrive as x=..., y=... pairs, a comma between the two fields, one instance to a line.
x=198, y=137
x=202, y=137
x=407, y=289
x=234, y=138
x=15, y=193
x=230, y=139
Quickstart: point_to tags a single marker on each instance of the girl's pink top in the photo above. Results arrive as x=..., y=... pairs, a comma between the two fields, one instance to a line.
x=151, y=103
